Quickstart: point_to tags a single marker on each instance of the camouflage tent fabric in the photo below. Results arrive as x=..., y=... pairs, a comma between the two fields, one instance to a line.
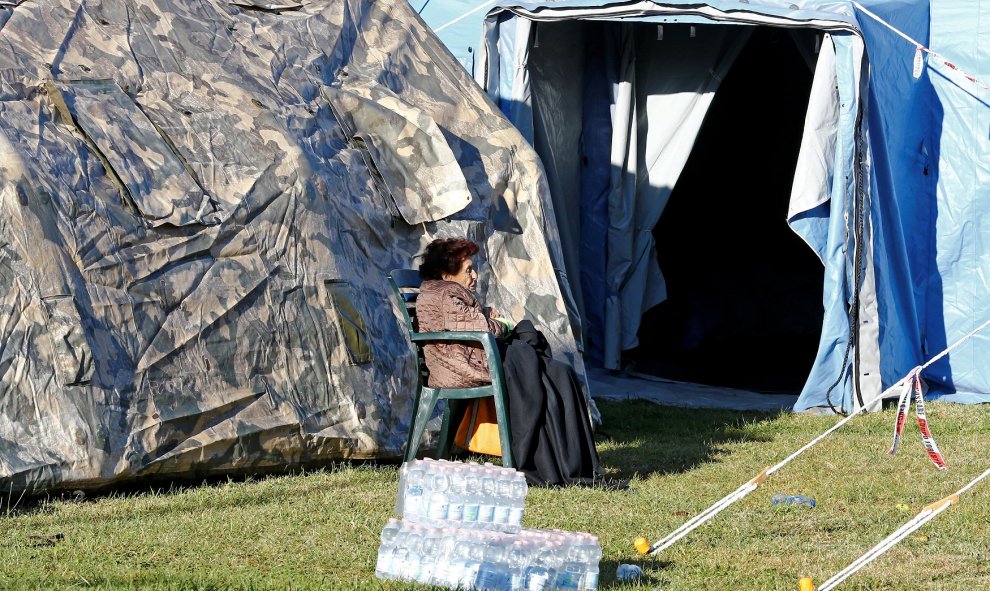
x=200, y=202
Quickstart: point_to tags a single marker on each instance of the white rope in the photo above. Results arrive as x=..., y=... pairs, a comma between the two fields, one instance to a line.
x=752, y=485
x=880, y=548
x=465, y=15
x=739, y=493
x=954, y=345
x=926, y=515
x=783, y=462
x=702, y=517
x=920, y=47
x=917, y=370
x=973, y=482
x=890, y=26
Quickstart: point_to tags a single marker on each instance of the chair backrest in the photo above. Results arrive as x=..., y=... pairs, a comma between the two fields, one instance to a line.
x=405, y=288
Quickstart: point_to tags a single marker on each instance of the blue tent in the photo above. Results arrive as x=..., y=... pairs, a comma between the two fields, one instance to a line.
x=666, y=131
x=457, y=23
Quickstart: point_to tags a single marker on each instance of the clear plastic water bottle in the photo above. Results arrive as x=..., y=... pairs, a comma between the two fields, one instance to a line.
x=486, y=502
x=459, y=558
x=628, y=572
x=474, y=555
x=383, y=568
x=503, y=495
x=570, y=577
x=472, y=496
x=785, y=500
x=517, y=501
x=414, y=497
x=455, y=506
x=518, y=559
x=494, y=572
x=439, y=502
x=443, y=574
x=591, y=576
x=398, y=564
x=540, y=574
x=414, y=557
x=594, y=552
x=430, y=553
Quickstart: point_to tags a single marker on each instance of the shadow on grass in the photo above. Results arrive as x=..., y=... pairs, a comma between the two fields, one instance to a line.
x=650, y=578
x=168, y=581
x=26, y=503
x=639, y=437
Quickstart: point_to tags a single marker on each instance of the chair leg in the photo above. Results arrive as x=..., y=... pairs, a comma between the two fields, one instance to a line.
x=421, y=416
x=504, y=433
x=411, y=444
x=448, y=432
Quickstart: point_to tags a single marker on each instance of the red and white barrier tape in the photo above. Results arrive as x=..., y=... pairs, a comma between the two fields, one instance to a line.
x=913, y=383
x=910, y=382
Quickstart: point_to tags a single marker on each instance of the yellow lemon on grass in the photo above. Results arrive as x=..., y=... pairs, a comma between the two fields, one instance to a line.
x=806, y=584
x=642, y=545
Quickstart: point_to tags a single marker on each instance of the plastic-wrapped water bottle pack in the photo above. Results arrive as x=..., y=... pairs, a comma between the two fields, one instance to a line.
x=461, y=528
x=439, y=492
x=460, y=558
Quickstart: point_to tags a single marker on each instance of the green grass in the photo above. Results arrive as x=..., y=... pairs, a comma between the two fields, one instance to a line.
x=319, y=530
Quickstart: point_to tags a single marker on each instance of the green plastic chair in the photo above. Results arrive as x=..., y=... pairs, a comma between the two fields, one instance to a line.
x=405, y=288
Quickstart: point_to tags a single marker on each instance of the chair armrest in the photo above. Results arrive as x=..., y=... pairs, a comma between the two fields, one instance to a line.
x=486, y=339
x=475, y=336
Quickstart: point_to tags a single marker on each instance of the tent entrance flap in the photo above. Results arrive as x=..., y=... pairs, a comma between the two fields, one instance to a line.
x=614, y=118
x=670, y=160
x=743, y=305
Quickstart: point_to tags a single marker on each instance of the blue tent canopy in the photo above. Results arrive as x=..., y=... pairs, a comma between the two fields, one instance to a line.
x=888, y=175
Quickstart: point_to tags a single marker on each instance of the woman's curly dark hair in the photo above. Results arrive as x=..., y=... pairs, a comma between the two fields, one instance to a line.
x=445, y=256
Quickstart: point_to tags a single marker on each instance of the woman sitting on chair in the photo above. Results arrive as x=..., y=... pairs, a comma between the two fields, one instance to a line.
x=552, y=440
x=446, y=301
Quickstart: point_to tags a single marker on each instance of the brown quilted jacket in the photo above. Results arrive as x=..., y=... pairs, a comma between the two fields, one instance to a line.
x=446, y=305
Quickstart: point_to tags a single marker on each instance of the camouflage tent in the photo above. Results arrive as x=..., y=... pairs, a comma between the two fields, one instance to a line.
x=200, y=203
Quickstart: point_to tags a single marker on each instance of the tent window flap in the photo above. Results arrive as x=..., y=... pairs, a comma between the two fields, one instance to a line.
x=417, y=168
x=71, y=353
x=154, y=179
x=349, y=322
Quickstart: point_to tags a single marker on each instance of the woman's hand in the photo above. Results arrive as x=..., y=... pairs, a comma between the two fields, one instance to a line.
x=495, y=315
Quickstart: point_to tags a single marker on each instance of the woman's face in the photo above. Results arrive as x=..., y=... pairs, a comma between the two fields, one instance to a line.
x=467, y=276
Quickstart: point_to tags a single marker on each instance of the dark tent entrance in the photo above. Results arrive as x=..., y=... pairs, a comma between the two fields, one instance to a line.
x=744, y=292
x=743, y=304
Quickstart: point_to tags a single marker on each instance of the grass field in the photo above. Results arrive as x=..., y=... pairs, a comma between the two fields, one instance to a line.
x=319, y=529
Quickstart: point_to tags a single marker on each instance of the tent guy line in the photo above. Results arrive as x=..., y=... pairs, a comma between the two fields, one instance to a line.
x=739, y=493
x=926, y=515
x=920, y=47
x=912, y=381
x=463, y=16
x=756, y=481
